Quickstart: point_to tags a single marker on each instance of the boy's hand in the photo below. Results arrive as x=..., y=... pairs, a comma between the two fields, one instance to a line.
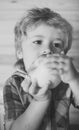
x=40, y=93
x=52, y=70
x=67, y=71
x=45, y=72
x=62, y=65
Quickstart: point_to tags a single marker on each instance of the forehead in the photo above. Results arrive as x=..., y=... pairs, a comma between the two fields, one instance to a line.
x=44, y=30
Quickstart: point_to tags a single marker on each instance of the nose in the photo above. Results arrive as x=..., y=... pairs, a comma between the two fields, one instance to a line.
x=47, y=51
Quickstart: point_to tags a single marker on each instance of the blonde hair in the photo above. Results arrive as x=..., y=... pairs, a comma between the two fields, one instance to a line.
x=36, y=16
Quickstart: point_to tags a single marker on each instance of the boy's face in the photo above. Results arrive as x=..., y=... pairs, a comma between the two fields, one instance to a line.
x=39, y=39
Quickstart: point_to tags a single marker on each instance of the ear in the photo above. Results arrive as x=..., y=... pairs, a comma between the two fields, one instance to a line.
x=19, y=54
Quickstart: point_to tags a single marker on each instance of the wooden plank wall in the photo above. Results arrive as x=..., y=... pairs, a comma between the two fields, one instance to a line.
x=10, y=12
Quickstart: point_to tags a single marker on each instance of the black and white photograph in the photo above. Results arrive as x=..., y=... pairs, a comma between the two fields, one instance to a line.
x=39, y=64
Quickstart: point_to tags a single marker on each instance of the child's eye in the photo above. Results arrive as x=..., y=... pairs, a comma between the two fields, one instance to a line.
x=39, y=42
x=57, y=45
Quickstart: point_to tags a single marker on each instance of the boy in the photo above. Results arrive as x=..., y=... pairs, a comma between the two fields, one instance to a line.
x=38, y=95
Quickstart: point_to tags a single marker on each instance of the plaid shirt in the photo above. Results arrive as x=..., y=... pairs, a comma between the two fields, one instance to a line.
x=16, y=101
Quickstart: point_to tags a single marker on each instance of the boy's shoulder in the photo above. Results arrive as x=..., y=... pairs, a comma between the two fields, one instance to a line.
x=15, y=79
x=13, y=90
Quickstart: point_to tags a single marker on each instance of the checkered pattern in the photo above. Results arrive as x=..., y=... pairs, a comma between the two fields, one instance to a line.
x=16, y=102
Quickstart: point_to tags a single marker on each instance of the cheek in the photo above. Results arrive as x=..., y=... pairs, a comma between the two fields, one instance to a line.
x=29, y=56
x=30, y=53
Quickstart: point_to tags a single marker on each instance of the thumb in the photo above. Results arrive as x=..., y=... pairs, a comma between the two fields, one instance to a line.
x=26, y=84
x=44, y=89
x=33, y=87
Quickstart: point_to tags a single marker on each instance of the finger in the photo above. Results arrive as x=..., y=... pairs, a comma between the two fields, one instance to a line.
x=52, y=65
x=45, y=60
x=56, y=54
x=61, y=71
x=54, y=57
x=44, y=90
x=64, y=59
x=26, y=84
x=54, y=71
x=63, y=66
x=51, y=60
x=33, y=88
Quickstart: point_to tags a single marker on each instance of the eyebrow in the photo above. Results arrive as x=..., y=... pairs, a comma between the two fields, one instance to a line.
x=59, y=39
x=39, y=36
